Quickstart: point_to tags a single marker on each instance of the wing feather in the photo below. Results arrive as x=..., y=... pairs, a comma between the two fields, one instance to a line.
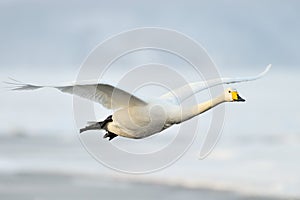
x=190, y=89
x=108, y=96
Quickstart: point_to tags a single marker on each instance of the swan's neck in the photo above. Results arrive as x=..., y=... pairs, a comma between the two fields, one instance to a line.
x=188, y=113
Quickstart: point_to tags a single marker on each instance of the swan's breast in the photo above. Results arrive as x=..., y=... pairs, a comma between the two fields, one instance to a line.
x=139, y=122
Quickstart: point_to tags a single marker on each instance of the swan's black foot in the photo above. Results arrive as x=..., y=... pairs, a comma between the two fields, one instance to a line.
x=107, y=120
x=110, y=135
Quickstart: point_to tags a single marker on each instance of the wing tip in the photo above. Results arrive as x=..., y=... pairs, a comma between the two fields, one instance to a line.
x=15, y=85
x=267, y=69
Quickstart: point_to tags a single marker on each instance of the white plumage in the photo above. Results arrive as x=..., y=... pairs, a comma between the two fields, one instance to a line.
x=136, y=118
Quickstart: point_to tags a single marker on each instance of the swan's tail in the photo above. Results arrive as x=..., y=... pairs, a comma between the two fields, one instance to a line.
x=92, y=126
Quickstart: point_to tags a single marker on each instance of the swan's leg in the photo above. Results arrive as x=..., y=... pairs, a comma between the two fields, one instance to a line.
x=110, y=135
x=108, y=119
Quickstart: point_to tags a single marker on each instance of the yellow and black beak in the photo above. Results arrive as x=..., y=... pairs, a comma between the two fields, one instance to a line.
x=236, y=97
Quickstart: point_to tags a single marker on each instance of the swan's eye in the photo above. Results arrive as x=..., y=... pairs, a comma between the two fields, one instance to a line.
x=229, y=91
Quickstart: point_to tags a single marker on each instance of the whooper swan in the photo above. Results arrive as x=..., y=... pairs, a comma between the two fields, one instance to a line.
x=135, y=118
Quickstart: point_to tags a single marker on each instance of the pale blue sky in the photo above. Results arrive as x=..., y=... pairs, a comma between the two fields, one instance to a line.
x=235, y=33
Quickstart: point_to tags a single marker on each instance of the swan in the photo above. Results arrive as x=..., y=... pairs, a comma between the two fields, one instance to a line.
x=136, y=118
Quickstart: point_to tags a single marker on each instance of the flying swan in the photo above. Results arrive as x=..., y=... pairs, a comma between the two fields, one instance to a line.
x=136, y=118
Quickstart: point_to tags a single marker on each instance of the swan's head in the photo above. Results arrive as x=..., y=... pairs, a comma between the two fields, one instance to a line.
x=232, y=95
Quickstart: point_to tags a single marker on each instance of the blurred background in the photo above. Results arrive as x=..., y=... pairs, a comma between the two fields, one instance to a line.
x=45, y=42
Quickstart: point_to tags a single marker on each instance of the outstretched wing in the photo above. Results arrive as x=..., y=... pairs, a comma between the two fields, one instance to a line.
x=108, y=96
x=188, y=90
